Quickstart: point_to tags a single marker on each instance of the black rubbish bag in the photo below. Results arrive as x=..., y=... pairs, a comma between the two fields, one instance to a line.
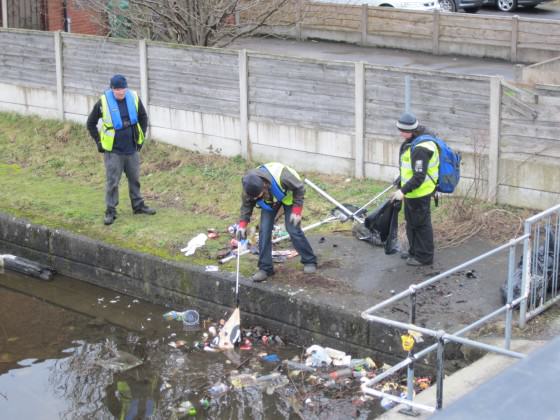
x=541, y=276
x=384, y=221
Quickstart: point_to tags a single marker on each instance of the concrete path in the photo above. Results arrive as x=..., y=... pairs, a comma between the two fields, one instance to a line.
x=339, y=51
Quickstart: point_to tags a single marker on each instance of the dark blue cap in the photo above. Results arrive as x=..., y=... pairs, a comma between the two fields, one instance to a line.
x=118, y=81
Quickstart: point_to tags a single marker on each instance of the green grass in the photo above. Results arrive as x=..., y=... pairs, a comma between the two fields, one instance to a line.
x=52, y=174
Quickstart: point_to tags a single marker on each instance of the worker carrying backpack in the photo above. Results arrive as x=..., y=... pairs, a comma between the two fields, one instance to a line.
x=449, y=164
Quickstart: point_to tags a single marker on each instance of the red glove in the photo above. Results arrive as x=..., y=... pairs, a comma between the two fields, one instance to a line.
x=295, y=217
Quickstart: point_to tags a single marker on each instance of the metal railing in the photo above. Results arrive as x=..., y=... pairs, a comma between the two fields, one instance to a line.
x=540, y=265
x=441, y=336
x=538, y=270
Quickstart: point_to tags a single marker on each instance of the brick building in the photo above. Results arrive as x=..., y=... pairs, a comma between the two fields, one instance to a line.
x=53, y=15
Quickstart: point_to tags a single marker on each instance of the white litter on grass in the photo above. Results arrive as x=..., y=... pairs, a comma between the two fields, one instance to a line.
x=135, y=301
x=295, y=292
x=212, y=268
x=196, y=242
x=113, y=301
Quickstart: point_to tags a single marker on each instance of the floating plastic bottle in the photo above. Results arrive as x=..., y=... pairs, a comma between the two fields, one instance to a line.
x=341, y=373
x=367, y=363
x=187, y=407
x=290, y=364
x=218, y=389
x=189, y=317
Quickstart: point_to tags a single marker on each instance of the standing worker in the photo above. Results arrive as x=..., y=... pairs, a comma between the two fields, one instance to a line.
x=124, y=122
x=419, y=168
x=270, y=187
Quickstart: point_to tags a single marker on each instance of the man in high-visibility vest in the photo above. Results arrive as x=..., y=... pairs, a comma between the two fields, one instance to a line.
x=270, y=187
x=124, y=123
x=419, y=168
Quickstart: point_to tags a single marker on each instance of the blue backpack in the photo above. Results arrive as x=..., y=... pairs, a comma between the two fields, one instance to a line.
x=449, y=164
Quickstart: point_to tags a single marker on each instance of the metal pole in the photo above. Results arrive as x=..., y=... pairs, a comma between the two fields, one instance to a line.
x=509, y=310
x=440, y=361
x=410, y=368
x=407, y=104
x=332, y=200
x=525, y=275
x=5, y=14
x=373, y=199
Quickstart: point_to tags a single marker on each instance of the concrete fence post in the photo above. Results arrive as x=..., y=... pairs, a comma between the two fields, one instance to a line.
x=364, y=24
x=143, y=62
x=299, y=18
x=4, y=13
x=243, y=105
x=359, y=113
x=494, y=146
x=59, y=74
x=514, y=37
x=435, y=32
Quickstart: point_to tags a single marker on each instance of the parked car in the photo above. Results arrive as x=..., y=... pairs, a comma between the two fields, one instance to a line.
x=511, y=5
x=469, y=6
x=401, y=4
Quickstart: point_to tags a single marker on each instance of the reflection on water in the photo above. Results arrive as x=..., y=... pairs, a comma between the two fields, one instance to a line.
x=54, y=363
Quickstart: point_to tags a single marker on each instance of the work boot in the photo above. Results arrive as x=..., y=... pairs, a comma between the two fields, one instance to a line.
x=260, y=276
x=110, y=216
x=415, y=263
x=144, y=209
x=309, y=268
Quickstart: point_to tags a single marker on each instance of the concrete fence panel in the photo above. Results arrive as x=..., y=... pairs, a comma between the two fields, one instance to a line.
x=27, y=58
x=90, y=62
x=538, y=40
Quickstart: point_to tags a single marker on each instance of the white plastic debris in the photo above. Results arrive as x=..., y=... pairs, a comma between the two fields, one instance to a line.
x=196, y=242
x=317, y=356
x=212, y=268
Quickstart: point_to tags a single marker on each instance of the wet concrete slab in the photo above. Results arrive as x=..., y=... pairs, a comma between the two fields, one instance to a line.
x=354, y=275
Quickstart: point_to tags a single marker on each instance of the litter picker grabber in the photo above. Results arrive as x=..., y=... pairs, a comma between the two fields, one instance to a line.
x=282, y=238
x=231, y=331
x=348, y=213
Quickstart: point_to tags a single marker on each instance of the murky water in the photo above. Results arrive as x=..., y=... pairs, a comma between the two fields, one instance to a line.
x=59, y=348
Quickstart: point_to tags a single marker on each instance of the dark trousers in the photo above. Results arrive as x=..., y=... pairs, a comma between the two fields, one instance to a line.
x=419, y=228
x=296, y=235
x=115, y=165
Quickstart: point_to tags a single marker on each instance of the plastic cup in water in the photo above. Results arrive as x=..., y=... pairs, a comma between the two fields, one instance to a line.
x=191, y=317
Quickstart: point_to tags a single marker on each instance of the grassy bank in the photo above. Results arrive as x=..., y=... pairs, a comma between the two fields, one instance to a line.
x=52, y=174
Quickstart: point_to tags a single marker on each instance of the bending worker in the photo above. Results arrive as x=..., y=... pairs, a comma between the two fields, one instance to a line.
x=270, y=187
x=419, y=168
x=124, y=122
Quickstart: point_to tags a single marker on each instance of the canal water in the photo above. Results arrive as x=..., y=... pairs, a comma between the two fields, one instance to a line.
x=70, y=350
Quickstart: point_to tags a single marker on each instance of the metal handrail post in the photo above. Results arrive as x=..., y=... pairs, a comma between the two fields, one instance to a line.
x=439, y=374
x=525, y=275
x=410, y=367
x=509, y=310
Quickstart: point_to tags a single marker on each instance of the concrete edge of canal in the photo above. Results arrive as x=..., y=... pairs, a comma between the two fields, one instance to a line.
x=183, y=285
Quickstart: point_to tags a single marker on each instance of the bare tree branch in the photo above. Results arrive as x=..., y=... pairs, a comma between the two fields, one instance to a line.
x=194, y=22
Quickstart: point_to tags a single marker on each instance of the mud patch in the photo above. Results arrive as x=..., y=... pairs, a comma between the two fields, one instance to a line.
x=295, y=277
